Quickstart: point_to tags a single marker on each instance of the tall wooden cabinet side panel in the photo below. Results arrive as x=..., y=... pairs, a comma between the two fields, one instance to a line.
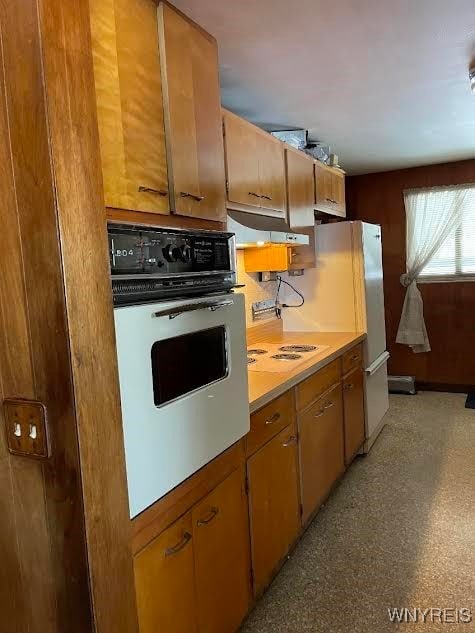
x=189, y=62
x=95, y=427
x=164, y=580
x=222, y=556
x=129, y=104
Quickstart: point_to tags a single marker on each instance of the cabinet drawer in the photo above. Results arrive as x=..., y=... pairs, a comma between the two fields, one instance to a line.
x=311, y=388
x=353, y=358
x=269, y=421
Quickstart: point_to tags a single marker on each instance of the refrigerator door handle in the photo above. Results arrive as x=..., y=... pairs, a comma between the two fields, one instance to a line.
x=373, y=368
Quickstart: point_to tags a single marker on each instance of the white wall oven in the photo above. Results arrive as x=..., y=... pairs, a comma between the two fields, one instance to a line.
x=181, y=349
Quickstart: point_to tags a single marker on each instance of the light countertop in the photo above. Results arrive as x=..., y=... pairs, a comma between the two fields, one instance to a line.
x=265, y=386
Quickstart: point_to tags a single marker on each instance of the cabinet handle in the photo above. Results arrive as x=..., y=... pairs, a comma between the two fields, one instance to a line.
x=179, y=546
x=159, y=192
x=273, y=418
x=355, y=357
x=267, y=197
x=328, y=405
x=213, y=513
x=349, y=386
x=331, y=200
x=251, y=193
x=320, y=413
x=289, y=441
x=185, y=194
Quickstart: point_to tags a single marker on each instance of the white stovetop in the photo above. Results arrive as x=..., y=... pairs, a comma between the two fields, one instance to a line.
x=266, y=361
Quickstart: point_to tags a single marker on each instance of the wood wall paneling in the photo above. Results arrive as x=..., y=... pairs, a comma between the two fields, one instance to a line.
x=45, y=498
x=447, y=306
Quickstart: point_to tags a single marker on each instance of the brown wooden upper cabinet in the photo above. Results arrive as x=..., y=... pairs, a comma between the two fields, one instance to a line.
x=330, y=189
x=189, y=61
x=159, y=113
x=300, y=185
x=255, y=168
x=129, y=104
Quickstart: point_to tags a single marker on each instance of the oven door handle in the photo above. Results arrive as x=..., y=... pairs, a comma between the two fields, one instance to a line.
x=172, y=313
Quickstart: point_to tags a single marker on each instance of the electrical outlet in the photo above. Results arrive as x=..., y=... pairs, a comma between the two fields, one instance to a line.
x=26, y=427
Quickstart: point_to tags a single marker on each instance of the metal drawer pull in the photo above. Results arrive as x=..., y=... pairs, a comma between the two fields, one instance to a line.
x=291, y=440
x=273, y=418
x=355, y=357
x=331, y=200
x=185, y=194
x=179, y=546
x=251, y=193
x=267, y=197
x=320, y=413
x=159, y=192
x=213, y=513
x=172, y=313
x=328, y=405
x=349, y=386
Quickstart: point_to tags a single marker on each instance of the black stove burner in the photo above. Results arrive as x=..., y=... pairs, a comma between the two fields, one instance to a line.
x=256, y=351
x=286, y=356
x=298, y=348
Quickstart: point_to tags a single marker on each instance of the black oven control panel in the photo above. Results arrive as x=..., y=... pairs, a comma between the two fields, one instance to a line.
x=150, y=263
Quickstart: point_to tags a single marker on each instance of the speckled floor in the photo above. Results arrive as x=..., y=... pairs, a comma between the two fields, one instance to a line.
x=399, y=531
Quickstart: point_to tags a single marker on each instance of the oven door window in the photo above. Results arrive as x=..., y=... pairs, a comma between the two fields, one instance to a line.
x=183, y=364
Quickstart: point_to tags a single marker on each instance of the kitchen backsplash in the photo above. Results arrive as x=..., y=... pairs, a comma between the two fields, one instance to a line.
x=254, y=290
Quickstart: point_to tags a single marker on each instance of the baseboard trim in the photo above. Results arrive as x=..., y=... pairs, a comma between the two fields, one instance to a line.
x=440, y=386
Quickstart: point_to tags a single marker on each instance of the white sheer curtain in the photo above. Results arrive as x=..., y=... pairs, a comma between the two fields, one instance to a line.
x=431, y=216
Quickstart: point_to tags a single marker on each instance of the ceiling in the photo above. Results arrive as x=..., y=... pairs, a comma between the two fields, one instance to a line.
x=384, y=82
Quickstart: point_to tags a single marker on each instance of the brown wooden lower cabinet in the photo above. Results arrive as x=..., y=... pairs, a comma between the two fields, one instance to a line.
x=195, y=577
x=321, y=449
x=353, y=402
x=222, y=556
x=164, y=581
x=273, y=504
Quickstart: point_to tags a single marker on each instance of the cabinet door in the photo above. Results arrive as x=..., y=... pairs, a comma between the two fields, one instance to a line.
x=189, y=60
x=354, y=414
x=321, y=449
x=273, y=504
x=129, y=104
x=222, y=556
x=164, y=581
x=323, y=187
x=300, y=189
x=338, y=193
x=271, y=173
x=242, y=161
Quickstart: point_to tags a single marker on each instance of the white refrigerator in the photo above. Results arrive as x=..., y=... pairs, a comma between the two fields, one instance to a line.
x=344, y=293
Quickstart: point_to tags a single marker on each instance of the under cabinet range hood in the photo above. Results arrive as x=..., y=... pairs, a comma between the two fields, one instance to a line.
x=253, y=230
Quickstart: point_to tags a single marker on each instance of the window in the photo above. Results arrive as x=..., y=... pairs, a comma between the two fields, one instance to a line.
x=456, y=256
x=441, y=233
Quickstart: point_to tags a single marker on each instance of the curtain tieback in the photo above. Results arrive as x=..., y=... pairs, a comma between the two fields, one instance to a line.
x=406, y=280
